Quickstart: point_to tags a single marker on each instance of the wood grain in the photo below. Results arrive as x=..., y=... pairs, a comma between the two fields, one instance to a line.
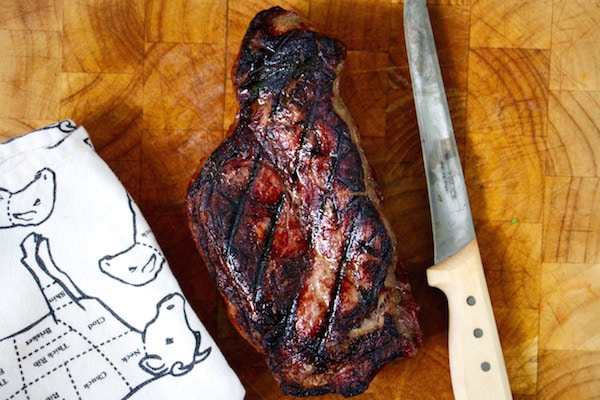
x=150, y=80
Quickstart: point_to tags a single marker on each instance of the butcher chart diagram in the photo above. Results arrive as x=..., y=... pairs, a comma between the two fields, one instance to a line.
x=81, y=349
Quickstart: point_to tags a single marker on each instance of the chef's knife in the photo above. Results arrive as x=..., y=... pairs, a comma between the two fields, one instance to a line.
x=477, y=366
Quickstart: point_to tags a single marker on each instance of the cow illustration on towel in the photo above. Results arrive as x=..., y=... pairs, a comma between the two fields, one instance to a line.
x=33, y=204
x=30, y=205
x=139, y=263
x=83, y=350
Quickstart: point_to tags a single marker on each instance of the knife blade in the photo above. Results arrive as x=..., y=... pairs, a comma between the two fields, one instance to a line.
x=477, y=366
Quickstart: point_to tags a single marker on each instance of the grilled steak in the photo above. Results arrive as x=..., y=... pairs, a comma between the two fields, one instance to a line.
x=288, y=220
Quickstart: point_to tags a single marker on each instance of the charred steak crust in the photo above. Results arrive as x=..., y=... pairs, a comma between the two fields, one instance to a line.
x=288, y=220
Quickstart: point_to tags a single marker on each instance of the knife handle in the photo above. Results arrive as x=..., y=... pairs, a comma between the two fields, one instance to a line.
x=477, y=366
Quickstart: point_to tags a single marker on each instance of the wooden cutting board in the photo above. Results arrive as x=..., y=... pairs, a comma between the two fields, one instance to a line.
x=150, y=80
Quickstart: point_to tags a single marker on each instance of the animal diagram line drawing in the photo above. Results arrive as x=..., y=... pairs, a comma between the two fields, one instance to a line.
x=81, y=349
x=138, y=264
x=30, y=205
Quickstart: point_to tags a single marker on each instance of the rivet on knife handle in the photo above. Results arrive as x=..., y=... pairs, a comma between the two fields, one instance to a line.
x=477, y=365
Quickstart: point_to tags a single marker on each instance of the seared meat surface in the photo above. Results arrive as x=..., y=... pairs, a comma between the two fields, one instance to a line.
x=289, y=222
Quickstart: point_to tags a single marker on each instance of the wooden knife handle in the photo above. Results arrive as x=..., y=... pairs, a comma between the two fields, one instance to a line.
x=477, y=365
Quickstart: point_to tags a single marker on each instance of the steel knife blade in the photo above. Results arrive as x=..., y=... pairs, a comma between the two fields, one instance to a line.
x=477, y=366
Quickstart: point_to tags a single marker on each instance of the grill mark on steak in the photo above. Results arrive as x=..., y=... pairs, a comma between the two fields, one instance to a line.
x=337, y=290
x=289, y=223
x=238, y=211
x=262, y=260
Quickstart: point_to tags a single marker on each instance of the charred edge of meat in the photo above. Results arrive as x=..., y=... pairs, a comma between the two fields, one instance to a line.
x=271, y=60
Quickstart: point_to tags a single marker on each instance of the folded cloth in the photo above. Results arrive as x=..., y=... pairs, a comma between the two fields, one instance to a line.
x=89, y=308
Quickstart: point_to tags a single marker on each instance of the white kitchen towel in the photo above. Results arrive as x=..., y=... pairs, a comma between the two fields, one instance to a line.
x=89, y=308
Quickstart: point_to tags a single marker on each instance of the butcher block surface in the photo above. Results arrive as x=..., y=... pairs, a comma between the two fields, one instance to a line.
x=150, y=80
